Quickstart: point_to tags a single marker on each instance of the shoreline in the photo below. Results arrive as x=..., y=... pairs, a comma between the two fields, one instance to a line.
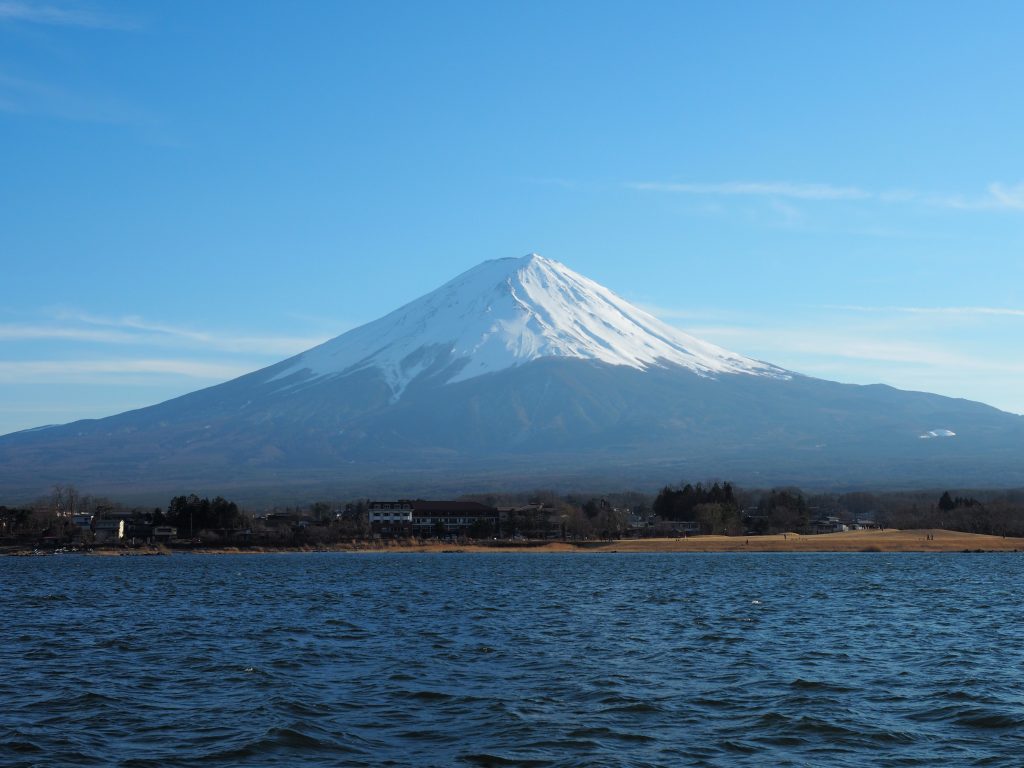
x=887, y=540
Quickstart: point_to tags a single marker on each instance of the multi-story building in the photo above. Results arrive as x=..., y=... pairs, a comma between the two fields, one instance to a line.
x=427, y=519
x=391, y=518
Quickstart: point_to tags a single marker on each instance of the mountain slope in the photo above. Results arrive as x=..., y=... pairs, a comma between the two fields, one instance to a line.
x=518, y=373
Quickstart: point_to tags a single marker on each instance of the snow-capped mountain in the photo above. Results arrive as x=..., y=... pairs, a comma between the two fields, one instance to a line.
x=518, y=373
x=508, y=312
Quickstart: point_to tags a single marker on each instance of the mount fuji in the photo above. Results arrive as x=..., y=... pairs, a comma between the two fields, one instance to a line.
x=519, y=373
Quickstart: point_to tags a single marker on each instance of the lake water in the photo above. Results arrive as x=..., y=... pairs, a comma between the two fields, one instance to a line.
x=513, y=660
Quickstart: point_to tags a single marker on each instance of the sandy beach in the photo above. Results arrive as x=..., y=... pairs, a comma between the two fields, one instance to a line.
x=889, y=540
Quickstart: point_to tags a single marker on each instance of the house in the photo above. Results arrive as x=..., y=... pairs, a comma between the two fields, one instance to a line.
x=640, y=523
x=164, y=533
x=138, y=531
x=864, y=524
x=676, y=528
x=828, y=524
x=82, y=521
x=282, y=520
x=108, y=530
x=531, y=521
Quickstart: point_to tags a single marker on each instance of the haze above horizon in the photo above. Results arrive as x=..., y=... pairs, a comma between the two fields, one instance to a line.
x=193, y=191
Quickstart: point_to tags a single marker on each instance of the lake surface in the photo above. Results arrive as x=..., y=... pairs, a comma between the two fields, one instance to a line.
x=513, y=660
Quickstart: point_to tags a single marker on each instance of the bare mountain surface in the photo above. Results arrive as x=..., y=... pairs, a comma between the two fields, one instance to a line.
x=518, y=373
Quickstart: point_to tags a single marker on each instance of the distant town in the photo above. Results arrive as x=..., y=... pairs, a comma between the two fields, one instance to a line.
x=67, y=521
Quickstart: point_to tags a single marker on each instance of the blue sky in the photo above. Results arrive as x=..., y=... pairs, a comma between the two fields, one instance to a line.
x=189, y=191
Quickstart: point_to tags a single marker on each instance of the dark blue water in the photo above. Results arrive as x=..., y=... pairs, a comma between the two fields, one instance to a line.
x=520, y=660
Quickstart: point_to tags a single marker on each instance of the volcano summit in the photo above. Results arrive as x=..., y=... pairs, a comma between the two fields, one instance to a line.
x=518, y=373
x=506, y=313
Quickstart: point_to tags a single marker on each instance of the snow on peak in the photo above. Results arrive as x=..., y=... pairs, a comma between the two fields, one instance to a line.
x=507, y=312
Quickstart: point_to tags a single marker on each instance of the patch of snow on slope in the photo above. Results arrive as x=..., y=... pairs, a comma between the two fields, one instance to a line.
x=507, y=312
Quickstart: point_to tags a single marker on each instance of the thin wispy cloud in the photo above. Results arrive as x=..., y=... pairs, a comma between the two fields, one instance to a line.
x=678, y=313
x=918, y=363
x=1007, y=196
x=30, y=97
x=788, y=215
x=38, y=371
x=161, y=336
x=831, y=344
x=18, y=332
x=137, y=330
x=953, y=311
x=195, y=354
x=998, y=196
x=784, y=189
x=64, y=16
x=885, y=347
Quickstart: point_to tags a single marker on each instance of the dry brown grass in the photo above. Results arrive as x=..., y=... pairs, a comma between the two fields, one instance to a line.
x=889, y=540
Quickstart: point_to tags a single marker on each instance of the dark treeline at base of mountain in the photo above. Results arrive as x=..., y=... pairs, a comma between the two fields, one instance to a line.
x=66, y=516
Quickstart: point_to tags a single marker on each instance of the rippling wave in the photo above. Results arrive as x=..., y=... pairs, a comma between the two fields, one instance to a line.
x=513, y=660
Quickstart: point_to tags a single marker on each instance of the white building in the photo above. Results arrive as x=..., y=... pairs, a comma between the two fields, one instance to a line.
x=390, y=517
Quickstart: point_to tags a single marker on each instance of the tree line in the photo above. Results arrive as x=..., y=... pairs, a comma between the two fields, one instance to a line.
x=716, y=507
